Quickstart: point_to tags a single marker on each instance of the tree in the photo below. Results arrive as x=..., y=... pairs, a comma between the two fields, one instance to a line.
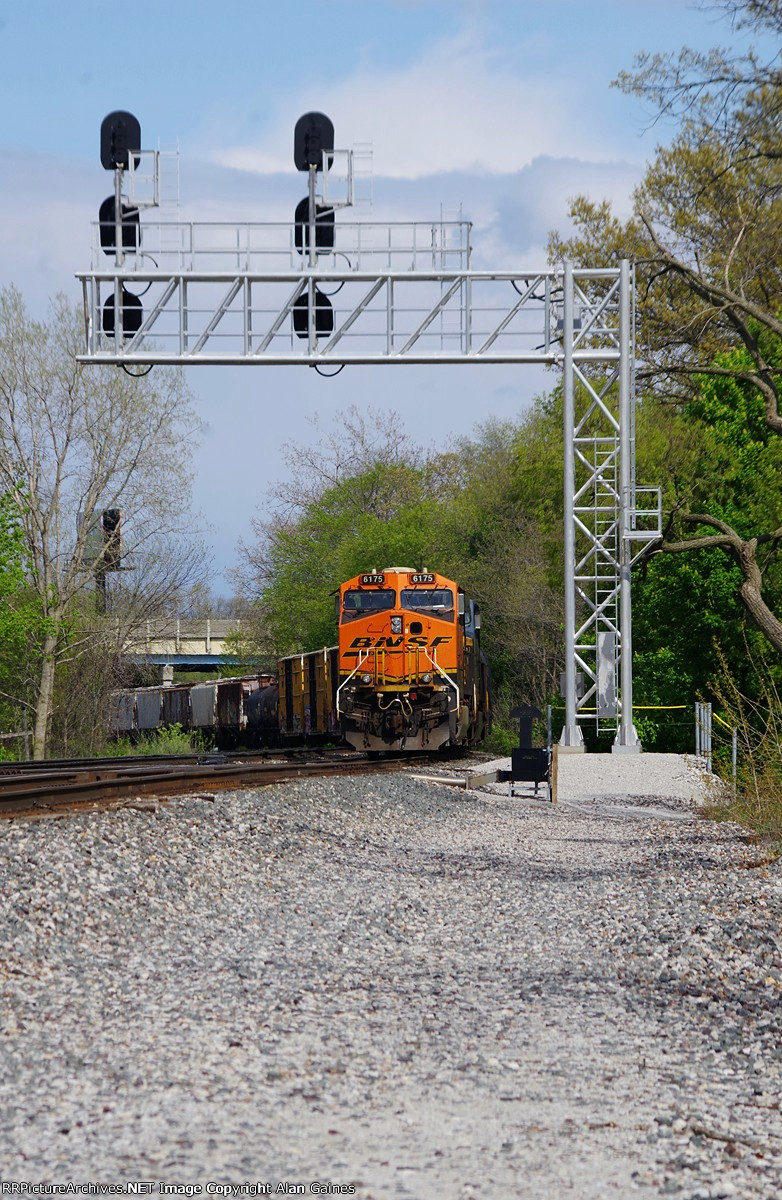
x=710, y=209
x=75, y=441
x=20, y=622
x=707, y=238
x=298, y=563
x=368, y=498
x=496, y=531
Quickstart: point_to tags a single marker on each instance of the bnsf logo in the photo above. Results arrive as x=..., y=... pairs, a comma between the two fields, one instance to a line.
x=393, y=643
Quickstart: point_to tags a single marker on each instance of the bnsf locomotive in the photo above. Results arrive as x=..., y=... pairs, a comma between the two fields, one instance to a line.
x=411, y=671
x=408, y=673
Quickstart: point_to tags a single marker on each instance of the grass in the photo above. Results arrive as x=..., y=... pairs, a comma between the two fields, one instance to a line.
x=755, y=801
x=172, y=739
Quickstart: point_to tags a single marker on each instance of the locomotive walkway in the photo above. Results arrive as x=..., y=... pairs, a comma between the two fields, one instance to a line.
x=397, y=988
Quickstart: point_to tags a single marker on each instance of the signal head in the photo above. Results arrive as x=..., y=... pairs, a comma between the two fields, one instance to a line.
x=120, y=134
x=132, y=314
x=107, y=225
x=324, y=227
x=323, y=315
x=313, y=134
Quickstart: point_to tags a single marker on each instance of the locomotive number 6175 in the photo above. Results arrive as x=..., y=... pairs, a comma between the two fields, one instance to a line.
x=411, y=670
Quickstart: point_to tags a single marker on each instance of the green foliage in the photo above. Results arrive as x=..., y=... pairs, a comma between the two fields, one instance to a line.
x=489, y=535
x=501, y=740
x=488, y=512
x=21, y=625
x=372, y=520
x=755, y=800
x=467, y=511
x=171, y=740
x=718, y=456
x=706, y=238
x=740, y=467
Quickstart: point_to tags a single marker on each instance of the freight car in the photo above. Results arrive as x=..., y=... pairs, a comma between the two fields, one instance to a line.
x=223, y=711
x=300, y=705
x=408, y=673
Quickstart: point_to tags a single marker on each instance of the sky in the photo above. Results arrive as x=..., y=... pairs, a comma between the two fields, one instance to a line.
x=500, y=109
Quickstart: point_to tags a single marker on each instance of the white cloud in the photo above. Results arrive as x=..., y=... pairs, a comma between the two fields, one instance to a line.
x=46, y=208
x=459, y=106
x=527, y=206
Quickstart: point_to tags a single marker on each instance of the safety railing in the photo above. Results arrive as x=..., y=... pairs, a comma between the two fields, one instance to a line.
x=204, y=247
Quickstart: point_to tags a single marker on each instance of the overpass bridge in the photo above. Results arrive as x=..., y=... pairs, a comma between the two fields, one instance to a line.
x=182, y=644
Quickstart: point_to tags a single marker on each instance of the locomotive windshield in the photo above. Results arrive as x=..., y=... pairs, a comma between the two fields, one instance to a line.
x=359, y=603
x=438, y=601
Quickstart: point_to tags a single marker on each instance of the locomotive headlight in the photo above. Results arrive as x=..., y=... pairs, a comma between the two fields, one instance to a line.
x=396, y=624
x=426, y=678
x=366, y=678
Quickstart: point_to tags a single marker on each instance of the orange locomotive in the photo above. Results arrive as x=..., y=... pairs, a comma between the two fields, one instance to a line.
x=411, y=671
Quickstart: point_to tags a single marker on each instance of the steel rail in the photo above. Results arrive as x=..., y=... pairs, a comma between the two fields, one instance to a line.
x=194, y=756
x=60, y=789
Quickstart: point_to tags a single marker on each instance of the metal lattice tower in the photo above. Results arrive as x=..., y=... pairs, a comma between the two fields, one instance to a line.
x=604, y=525
x=406, y=293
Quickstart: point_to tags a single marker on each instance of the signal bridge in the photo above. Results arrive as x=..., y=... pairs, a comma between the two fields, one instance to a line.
x=328, y=294
x=398, y=293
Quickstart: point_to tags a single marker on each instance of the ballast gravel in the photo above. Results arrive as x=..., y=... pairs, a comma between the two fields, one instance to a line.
x=394, y=987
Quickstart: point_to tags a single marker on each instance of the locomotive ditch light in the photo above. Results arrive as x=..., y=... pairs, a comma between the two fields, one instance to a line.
x=426, y=677
x=324, y=227
x=313, y=134
x=107, y=224
x=324, y=315
x=132, y=314
x=366, y=678
x=120, y=133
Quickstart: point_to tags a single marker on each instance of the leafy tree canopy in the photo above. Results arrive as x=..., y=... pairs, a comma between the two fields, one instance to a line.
x=706, y=236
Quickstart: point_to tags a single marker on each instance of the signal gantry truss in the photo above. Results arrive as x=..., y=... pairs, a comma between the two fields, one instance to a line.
x=386, y=293
x=185, y=294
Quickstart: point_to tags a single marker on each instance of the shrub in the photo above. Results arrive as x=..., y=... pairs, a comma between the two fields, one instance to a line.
x=756, y=799
x=172, y=739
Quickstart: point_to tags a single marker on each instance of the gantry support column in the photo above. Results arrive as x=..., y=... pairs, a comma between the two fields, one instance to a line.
x=572, y=738
x=627, y=739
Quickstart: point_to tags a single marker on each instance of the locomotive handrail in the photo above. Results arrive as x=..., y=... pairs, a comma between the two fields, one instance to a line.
x=345, y=682
x=451, y=682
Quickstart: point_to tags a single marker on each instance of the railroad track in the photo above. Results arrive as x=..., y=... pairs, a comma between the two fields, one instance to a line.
x=41, y=788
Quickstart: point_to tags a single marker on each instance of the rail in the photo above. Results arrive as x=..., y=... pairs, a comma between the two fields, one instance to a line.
x=47, y=788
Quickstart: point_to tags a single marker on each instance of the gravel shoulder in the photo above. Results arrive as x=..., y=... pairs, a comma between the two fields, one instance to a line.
x=398, y=986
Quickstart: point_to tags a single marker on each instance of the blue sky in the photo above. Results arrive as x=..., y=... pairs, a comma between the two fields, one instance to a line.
x=501, y=106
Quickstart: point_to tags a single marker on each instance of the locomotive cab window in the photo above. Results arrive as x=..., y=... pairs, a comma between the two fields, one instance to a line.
x=437, y=601
x=360, y=604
